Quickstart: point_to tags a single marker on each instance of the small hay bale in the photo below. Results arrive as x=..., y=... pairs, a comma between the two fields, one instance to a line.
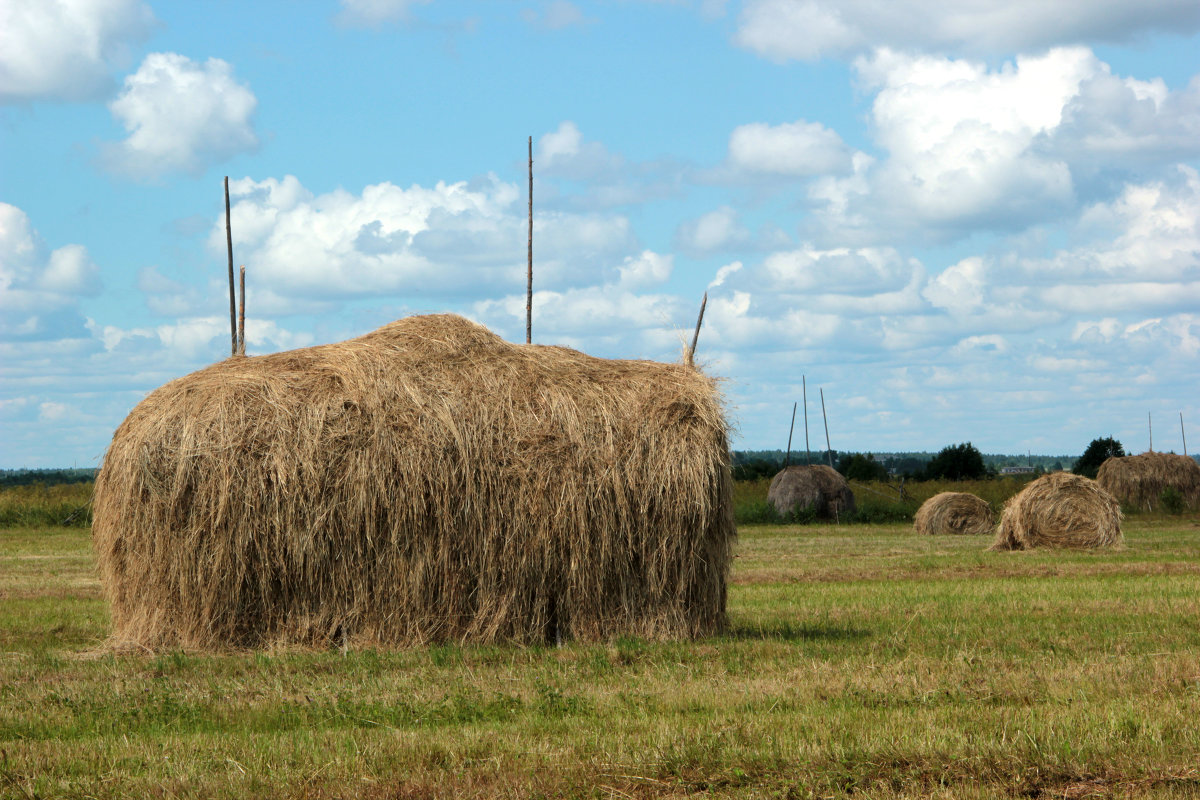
x=425, y=482
x=813, y=486
x=954, y=512
x=1060, y=510
x=1139, y=481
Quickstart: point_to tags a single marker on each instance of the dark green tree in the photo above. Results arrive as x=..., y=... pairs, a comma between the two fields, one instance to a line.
x=857, y=467
x=1099, y=451
x=957, y=462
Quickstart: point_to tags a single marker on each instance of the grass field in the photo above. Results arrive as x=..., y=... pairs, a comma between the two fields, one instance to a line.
x=862, y=660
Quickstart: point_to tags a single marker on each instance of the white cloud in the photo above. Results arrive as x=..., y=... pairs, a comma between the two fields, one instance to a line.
x=868, y=270
x=66, y=49
x=181, y=116
x=712, y=232
x=784, y=30
x=564, y=153
x=959, y=288
x=373, y=13
x=449, y=240
x=645, y=269
x=795, y=149
x=558, y=14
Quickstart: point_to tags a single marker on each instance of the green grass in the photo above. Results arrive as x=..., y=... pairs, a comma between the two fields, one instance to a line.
x=862, y=661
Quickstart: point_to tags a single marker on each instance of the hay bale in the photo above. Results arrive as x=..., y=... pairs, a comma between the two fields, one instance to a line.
x=1139, y=481
x=813, y=486
x=1060, y=510
x=954, y=512
x=424, y=482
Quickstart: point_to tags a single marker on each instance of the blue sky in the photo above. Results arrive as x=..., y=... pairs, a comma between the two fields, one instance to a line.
x=976, y=224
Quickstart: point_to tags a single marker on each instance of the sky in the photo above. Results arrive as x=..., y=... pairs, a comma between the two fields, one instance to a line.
x=960, y=222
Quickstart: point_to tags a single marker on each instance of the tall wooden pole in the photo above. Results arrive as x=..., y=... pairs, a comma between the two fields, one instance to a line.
x=807, y=449
x=1183, y=433
x=529, y=264
x=691, y=357
x=241, y=337
x=787, y=460
x=1150, y=426
x=233, y=335
x=828, y=449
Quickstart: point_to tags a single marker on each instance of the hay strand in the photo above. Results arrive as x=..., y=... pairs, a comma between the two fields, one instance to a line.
x=424, y=482
x=1060, y=510
x=954, y=513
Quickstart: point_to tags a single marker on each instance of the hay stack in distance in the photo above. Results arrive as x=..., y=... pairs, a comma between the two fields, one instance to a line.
x=1139, y=481
x=954, y=512
x=1060, y=510
x=424, y=482
x=813, y=486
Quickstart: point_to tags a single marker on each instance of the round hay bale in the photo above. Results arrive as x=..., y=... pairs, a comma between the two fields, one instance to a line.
x=424, y=482
x=1139, y=481
x=1060, y=510
x=813, y=486
x=954, y=512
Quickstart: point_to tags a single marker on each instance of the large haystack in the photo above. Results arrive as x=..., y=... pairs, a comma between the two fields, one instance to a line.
x=425, y=482
x=954, y=512
x=814, y=486
x=1060, y=510
x=1139, y=481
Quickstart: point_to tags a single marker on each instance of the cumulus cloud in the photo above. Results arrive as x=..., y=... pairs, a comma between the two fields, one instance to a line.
x=66, y=49
x=181, y=116
x=786, y=30
x=449, y=240
x=563, y=153
x=373, y=13
x=40, y=288
x=795, y=149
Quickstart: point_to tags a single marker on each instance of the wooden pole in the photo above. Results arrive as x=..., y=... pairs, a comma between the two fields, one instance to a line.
x=691, y=358
x=807, y=450
x=529, y=264
x=828, y=449
x=787, y=460
x=233, y=336
x=1150, y=425
x=1183, y=433
x=242, y=312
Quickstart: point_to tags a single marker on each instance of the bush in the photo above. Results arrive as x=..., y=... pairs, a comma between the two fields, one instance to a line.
x=1172, y=500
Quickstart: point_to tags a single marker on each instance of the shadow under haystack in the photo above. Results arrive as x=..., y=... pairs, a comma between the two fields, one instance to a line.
x=954, y=513
x=1139, y=481
x=1060, y=510
x=811, y=486
x=424, y=482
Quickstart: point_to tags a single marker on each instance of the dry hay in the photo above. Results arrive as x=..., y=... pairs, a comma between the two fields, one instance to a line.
x=1060, y=510
x=424, y=482
x=815, y=486
x=1139, y=481
x=954, y=512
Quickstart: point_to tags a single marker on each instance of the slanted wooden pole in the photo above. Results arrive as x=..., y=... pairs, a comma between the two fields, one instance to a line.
x=787, y=460
x=691, y=358
x=807, y=449
x=233, y=334
x=828, y=449
x=241, y=349
x=529, y=264
x=1183, y=433
x=1150, y=425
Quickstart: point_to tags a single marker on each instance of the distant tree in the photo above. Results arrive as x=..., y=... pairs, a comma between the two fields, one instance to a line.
x=857, y=467
x=957, y=462
x=1099, y=451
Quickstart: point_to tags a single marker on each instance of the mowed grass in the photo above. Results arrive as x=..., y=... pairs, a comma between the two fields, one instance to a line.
x=862, y=661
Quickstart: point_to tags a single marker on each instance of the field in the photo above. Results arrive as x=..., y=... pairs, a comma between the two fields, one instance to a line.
x=862, y=660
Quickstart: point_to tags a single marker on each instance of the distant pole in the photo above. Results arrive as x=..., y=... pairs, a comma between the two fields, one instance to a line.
x=828, y=449
x=787, y=460
x=242, y=312
x=232, y=300
x=529, y=264
x=807, y=449
x=1150, y=425
x=1183, y=433
x=691, y=357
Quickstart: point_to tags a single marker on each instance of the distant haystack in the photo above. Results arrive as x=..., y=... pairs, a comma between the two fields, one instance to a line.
x=424, y=482
x=1060, y=510
x=954, y=512
x=1139, y=481
x=815, y=486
